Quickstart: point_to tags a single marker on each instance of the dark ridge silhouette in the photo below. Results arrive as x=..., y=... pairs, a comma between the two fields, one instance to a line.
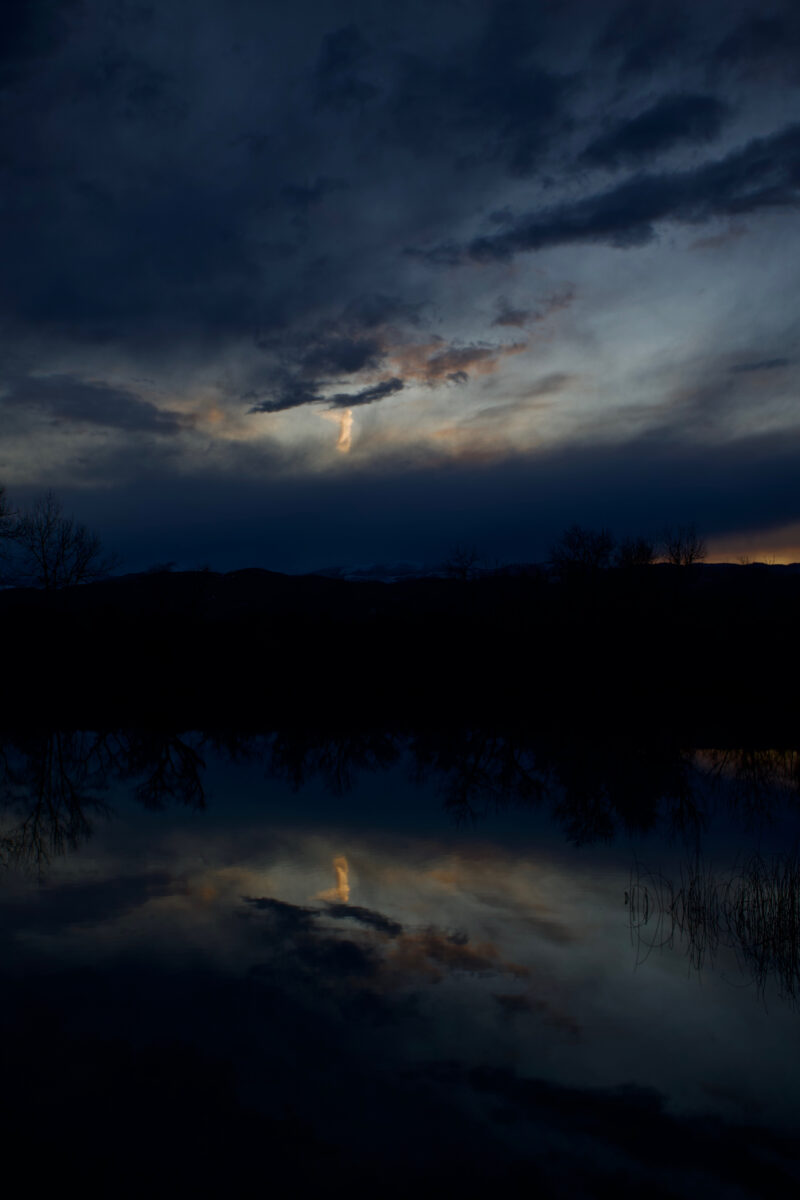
x=706, y=652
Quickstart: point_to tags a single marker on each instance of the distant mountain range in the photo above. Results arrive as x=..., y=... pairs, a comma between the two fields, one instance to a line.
x=399, y=571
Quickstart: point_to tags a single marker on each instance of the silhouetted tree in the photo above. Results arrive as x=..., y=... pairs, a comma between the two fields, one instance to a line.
x=462, y=562
x=683, y=546
x=581, y=551
x=55, y=551
x=6, y=531
x=635, y=552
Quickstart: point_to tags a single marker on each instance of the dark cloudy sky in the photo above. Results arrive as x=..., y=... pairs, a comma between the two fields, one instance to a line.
x=297, y=284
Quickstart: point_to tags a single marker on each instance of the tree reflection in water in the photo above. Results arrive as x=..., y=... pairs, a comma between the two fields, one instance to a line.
x=53, y=786
x=55, y=780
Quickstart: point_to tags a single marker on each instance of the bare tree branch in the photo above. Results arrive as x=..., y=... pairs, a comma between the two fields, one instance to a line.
x=683, y=546
x=55, y=551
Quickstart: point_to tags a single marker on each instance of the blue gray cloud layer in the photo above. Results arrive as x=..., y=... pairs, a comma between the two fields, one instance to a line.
x=276, y=206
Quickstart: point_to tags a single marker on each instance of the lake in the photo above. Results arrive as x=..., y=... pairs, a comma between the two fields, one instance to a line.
x=396, y=959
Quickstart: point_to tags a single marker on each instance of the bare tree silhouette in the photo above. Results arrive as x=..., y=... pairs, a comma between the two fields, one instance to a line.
x=683, y=545
x=581, y=551
x=55, y=551
x=462, y=562
x=633, y=552
x=6, y=531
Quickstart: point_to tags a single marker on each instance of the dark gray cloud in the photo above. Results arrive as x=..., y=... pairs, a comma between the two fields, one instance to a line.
x=339, y=82
x=308, y=362
x=762, y=364
x=672, y=121
x=69, y=400
x=186, y=228
x=29, y=31
x=367, y=395
x=484, y=97
x=645, y=37
x=341, y=355
x=764, y=174
x=295, y=394
x=303, y=198
x=231, y=208
x=766, y=36
x=372, y=310
x=516, y=318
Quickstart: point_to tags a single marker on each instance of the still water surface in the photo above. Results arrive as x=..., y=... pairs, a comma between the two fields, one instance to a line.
x=336, y=964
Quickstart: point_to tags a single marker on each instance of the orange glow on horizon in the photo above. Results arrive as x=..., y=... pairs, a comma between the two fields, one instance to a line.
x=776, y=547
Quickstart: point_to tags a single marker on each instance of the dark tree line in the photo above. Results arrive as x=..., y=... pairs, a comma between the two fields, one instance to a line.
x=581, y=550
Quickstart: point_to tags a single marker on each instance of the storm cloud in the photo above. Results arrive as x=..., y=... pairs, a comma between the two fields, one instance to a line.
x=764, y=174
x=672, y=120
x=209, y=240
x=74, y=402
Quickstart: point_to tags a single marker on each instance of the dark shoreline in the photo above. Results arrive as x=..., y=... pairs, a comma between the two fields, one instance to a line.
x=708, y=655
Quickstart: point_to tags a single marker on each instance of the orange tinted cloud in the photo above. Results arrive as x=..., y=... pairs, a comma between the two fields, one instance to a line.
x=436, y=362
x=431, y=953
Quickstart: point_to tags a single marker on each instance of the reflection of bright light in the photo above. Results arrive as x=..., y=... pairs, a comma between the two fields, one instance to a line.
x=341, y=892
x=345, y=433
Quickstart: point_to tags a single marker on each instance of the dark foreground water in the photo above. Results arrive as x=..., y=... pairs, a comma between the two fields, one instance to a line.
x=399, y=962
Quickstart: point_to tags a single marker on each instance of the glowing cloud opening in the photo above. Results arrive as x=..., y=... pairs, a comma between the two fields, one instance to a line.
x=345, y=438
x=340, y=893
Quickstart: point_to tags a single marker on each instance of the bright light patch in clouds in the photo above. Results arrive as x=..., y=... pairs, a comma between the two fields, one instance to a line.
x=340, y=892
x=345, y=431
x=343, y=418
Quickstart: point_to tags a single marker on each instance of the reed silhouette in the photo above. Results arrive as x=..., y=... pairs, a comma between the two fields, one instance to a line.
x=753, y=910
